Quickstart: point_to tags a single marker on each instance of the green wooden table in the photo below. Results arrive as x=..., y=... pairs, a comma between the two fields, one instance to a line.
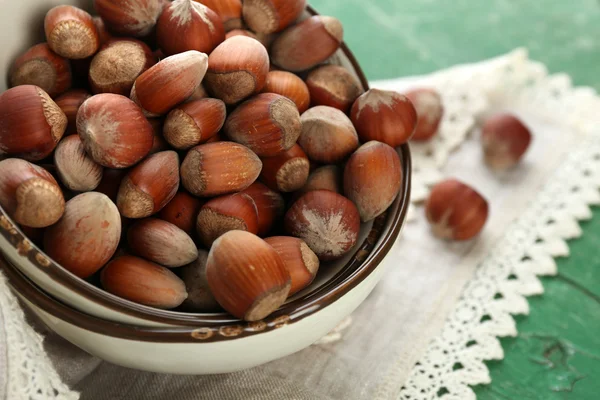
x=557, y=352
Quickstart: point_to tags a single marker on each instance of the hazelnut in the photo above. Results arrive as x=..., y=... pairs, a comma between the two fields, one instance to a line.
x=307, y=44
x=71, y=32
x=188, y=25
x=230, y=12
x=30, y=194
x=182, y=211
x=110, y=183
x=41, y=67
x=193, y=123
x=300, y=261
x=247, y=277
x=290, y=86
x=118, y=64
x=103, y=34
x=237, y=69
x=385, y=116
x=328, y=135
x=224, y=214
x=149, y=186
x=240, y=32
x=456, y=211
x=170, y=82
x=86, y=236
x=40, y=123
x=269, y=206
x=161, y=242
x=268, y=16
x=76, y=170
x=328, y=177
x=328, y=222
x=69, y=103
x=129, y=17
x=430, y=110
x=200, y=298
x=143, y=282
x=505, y=140
x=333, y=86
x=219, y=168
x=268, y=124
x=114, y=131
x=286, y=172
x=372, y=179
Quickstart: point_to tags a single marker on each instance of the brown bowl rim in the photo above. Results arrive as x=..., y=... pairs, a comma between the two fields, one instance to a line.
x=366, y=258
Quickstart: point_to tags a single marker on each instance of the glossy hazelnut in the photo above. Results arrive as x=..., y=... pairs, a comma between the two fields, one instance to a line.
x=430, y=110
x=288, y=85
x=247, y=276
x=129, y=17
x=41, y=67
x=456, y=211
x=328, y=135
x=76, y=170
x=200, y=298
x=40, y=123
x=286, y=172
x=333, y=86
x=300, y=261
x=194, y=122
x=71, y=33
x=114, y=131
x=385, y=116
x=505, y=141
x=86, y=236
x=270, y=206
x=268, y=16
x=182, y=211
x=328, y=177
x=237, y=69
x=30, y=194
x=328, y=222
x=69, y=103
x=268, y=124
x=230, y=12
x=215, y=169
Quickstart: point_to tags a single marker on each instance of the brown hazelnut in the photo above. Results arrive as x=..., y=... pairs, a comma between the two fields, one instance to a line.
x=333, y=86
x=129, y=17
x=268, y=16
x=290, y=86
x=200, y=298
x=328, y=222
x=69, y=103
x=300, y=261
x=182, y=211
x=286, y=172
x=199, y=93
x=430, y=111
x=240, y=32
x=328, y=135
x=267, y=123
x=505, y=140
x=193, y=123
x=247, y=276
x=41, y=67
x=270, y=206
x=456, y=211
x=329, y=177
x=76, y=170
x=230, y=12
x=71, y=33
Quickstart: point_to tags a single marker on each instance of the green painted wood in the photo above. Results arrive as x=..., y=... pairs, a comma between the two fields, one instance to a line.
x=557, y=352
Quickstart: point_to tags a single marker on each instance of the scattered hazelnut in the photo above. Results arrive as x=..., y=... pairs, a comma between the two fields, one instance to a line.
x=161, y=242
x=118, y=64
x=328, y=177
x=237, y=69
x=333, y=86
x=149, y=186
x=103, y=34
x=430, y=110
x=143, y=282
x=290, y=86
x=328, y=222
x=267, y=123
x=40, y=123
x=41, y=67
x=200, y=298
x=240, y=32
x=372, y=179
x=188, y=25
x=114, y=131
x=268, y=16
x=76, y=170
x=307, y=44
x=170, y=82
x=247, y=277
x=505, y=140
x=300, y=261
x=129, y=17
x=69, y=103
x=230, y=12
x=219, y=168
x=224, y=214
x=193, y=123
x=456, y=211
x=30, y=194
x=385, y=116
x=182, y=212
x=328, y=135
x=71, y=32
x=86, y=236
x=286, y=172
x=270, y=206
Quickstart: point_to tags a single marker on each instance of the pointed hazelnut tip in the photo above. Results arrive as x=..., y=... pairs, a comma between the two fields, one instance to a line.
x=39, y=203
x=334, y=27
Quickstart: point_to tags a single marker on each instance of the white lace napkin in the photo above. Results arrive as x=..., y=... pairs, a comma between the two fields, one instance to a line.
x=439, y=303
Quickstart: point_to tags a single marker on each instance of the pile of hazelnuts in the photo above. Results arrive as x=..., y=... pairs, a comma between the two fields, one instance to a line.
x=199, y=154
